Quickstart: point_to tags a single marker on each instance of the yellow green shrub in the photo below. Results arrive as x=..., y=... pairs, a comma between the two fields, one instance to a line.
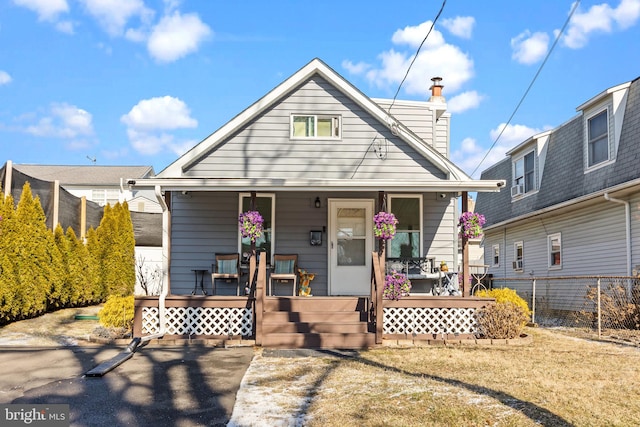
x=504, y=295
x=117, y=312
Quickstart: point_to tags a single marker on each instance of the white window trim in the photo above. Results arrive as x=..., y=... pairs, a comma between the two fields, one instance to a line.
x=513, y=173
x=338, y=117
x=493, y=255
x=610, y=159
x=550, y=237
x=515, y=255
x=420, y=203
x=273, y=219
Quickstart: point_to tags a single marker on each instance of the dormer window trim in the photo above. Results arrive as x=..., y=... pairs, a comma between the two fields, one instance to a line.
x=593, y=134
x=315, y=126
x=523, y=169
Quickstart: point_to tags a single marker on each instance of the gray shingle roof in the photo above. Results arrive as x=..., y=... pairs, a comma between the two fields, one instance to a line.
x=563, y=177
x=89, y=175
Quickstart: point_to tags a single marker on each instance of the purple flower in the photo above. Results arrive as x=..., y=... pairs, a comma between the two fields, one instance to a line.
x=396, y=286
x=470, y=224
x=251, y=224
x=384, y=225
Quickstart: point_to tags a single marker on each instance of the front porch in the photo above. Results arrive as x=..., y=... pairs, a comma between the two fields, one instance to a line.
x=348, y=322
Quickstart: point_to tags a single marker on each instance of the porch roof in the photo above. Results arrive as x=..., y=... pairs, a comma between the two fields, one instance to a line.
x=311, y=184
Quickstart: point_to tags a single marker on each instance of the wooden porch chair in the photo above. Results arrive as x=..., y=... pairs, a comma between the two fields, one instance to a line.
x=226, y=267
x=285, y=268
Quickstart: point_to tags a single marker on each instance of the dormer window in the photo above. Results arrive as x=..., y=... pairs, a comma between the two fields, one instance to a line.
x=598, y=138
x=524, y=174
x=315, y=126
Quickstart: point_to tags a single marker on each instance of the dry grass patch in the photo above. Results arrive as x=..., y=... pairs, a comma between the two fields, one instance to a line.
x=556, y=381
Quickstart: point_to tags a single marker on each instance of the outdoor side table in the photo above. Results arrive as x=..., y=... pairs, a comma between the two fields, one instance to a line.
x=195, y=287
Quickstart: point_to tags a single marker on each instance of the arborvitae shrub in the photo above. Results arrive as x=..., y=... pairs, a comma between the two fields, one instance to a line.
x=117, y=312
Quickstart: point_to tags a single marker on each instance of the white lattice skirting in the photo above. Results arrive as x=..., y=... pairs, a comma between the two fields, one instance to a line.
x=200, y=321
x=421, y=320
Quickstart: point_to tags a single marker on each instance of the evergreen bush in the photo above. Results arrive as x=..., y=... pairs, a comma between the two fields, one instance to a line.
x=117, y=312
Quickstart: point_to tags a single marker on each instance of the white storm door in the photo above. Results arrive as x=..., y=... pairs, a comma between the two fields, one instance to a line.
x=350, y=246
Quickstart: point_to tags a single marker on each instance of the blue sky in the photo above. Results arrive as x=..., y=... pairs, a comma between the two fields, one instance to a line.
x=138, y=82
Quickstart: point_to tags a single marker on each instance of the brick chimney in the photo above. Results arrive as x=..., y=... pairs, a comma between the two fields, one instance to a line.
x=436, y=90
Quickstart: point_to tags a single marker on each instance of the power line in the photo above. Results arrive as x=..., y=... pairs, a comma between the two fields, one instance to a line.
x=416, y=55
x=555, y=42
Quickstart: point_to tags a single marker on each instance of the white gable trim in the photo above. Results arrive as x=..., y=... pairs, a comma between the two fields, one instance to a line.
x=316, y=66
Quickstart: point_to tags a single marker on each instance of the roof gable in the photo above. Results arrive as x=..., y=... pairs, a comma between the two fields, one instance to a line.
x=314, y=68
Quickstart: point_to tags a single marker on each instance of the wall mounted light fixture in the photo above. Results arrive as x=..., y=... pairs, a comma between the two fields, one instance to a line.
x=317, y=203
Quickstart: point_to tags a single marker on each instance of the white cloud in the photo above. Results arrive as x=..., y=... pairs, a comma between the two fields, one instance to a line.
x=600, y=18
x=5, y=78
x=436, y=58
x=164, y=112
x=47, y=10
x=464, y=101
x=461, y=26
x=63, y=121
x=150, y=118
x=358, y=68
x=470, y=154
x=65, y=27
x=176, y=36
x=113, y=15
x=529, y=48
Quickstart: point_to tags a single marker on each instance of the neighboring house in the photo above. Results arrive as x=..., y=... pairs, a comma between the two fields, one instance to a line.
x=319, y=159
x=99, y=184
x=60, y=188
x=572, y=198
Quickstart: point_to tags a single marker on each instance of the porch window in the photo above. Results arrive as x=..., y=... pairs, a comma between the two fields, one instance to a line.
x=496, y=255
x=518, y=255
x=598, y=138
x=266, y=206
x=554, y=244
x=315, y=126
x=407, y=242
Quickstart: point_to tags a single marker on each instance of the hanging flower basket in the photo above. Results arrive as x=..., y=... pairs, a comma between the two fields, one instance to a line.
x=470, y=224
x=396, y=286
x=251, y=224
x=384, y=225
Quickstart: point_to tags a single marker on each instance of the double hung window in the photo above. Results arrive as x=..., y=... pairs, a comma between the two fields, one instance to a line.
x=407, y=241
x=524, y=173
x=598, y=138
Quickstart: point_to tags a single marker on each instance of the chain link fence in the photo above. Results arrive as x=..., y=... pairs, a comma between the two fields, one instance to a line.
x=606, y=305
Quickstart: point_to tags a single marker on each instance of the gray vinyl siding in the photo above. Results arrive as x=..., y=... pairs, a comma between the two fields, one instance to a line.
x=367, y=148
x=204, y=223
x=593, y=243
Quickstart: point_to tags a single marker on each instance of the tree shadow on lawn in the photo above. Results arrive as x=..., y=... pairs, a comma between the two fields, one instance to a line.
x=532, y=411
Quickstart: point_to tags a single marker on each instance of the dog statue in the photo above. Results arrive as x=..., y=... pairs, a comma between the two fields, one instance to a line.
x=305, y=278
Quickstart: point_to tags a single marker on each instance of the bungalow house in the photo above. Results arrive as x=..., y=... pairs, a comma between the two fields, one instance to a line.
x=317, y=159
x=571, y=200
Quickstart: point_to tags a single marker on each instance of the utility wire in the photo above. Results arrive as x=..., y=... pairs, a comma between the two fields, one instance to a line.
x=416, y=55
x=555, y=42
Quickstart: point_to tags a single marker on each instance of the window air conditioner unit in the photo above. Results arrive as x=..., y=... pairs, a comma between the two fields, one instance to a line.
x=517, y=190
x=517, y=265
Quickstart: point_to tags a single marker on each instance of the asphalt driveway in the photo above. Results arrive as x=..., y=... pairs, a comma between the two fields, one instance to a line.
x=159, y=385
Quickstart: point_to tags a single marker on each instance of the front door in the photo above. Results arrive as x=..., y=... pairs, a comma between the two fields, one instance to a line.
x=350, y=246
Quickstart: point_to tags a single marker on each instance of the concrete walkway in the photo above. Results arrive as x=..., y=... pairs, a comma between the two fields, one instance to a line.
x=159, y=385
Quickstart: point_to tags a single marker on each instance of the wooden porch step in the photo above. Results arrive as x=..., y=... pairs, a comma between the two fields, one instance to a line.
x=314, y=327
x=311, y=304
x=319, y=340
x=314, y=317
